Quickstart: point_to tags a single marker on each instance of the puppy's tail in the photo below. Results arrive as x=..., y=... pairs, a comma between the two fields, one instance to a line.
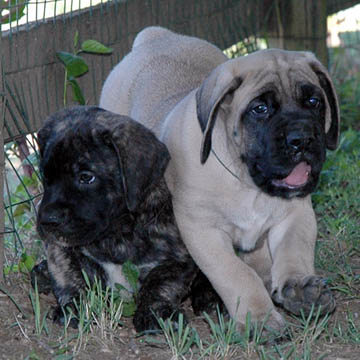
x=150, y=33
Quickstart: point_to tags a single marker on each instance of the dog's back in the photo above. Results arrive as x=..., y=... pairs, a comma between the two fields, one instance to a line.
x=171, y=65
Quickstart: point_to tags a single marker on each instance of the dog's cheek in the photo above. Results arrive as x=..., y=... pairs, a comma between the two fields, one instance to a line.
x=256, y=153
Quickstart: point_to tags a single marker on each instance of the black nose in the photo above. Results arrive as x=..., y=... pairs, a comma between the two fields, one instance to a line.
x=51, y=217
x=299, y=141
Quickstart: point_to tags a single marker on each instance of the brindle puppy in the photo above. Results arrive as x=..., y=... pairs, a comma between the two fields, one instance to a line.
x=105, y=201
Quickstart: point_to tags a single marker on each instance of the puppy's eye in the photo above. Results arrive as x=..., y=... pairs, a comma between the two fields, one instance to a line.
x=86, y=177
x=260, y=109
x=314, y=102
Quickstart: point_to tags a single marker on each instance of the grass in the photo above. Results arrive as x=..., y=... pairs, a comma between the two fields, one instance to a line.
x=337, y=205
x=40, y=319
x=99, y=311
x=180, y=338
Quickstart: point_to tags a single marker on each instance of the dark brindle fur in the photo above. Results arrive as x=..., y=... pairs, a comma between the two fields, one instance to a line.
x=105, y=201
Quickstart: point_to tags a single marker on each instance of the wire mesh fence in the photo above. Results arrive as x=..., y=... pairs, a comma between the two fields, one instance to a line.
x=33, y=82
x=22, y=192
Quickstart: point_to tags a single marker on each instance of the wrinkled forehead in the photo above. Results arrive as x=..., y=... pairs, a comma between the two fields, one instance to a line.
x=282, y=72
x=65, y=125
x=64, y=142
x=72, y=153
x=276, y=58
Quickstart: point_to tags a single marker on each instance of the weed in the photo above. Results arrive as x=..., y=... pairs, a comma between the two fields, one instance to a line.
x=353, y=331
x=178, y=335
x=76, y=66
x=283, y=352
x=97, y=310
x=40, y=320
x=128, y=296
x=337, y=204
x=310, y=328
x=348, y=332
x=224, y=335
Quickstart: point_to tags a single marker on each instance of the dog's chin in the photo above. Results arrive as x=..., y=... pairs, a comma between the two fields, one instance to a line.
x=300, y=181
x=288, y=191
x=296, y=183
x=66, y=240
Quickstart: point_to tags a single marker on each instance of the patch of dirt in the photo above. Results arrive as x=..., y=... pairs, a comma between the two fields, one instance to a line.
x=18, y=338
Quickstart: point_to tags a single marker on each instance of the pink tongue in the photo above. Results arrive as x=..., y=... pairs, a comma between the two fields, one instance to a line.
x=299, y=175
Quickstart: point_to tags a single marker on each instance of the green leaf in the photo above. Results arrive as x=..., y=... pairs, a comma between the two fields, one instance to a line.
x=33, y=356
x=74, y=64
x=94, y=47
x=119, y=288
x=77, y=93
x=16, y=11
x=26, y=263
x=131, y=274
x=21, y=209
x=11, y=268
x=154, y=341
x=30, y=181
x=128, y=309
x=20, y=192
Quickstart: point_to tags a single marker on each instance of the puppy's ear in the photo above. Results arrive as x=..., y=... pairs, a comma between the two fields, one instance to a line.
x=142, y=159
x=55, y=125
x=219, y=84
x=332, y=104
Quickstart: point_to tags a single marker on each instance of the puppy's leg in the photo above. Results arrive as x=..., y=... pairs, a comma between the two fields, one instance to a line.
x=294, y=283
x=162, y=292
x=65, y=267
x=238, y=285
x=203, y=296
x=40, y=275
x=260, y=260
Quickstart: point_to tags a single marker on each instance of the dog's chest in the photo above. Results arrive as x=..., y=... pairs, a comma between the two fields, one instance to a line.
x=115, y=275
x=244, y=235
x=248, y=223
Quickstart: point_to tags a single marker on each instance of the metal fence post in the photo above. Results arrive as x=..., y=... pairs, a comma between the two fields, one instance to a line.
x=301, y=25
x=2, y=162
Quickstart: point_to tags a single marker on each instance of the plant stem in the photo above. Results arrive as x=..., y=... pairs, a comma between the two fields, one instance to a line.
x=65, y=86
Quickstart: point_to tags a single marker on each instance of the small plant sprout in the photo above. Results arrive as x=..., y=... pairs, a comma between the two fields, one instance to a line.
x=76, y=66
x=179, y=336
x=224, y=334
x=40, y=320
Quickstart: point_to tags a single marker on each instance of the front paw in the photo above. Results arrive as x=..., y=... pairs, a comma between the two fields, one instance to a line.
x=40, y=276
x=145, y=319
x=303, y=294
x=63, y=316
x=204, y=297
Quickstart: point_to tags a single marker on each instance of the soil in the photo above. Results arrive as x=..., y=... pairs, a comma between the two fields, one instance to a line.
x=18, y=338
